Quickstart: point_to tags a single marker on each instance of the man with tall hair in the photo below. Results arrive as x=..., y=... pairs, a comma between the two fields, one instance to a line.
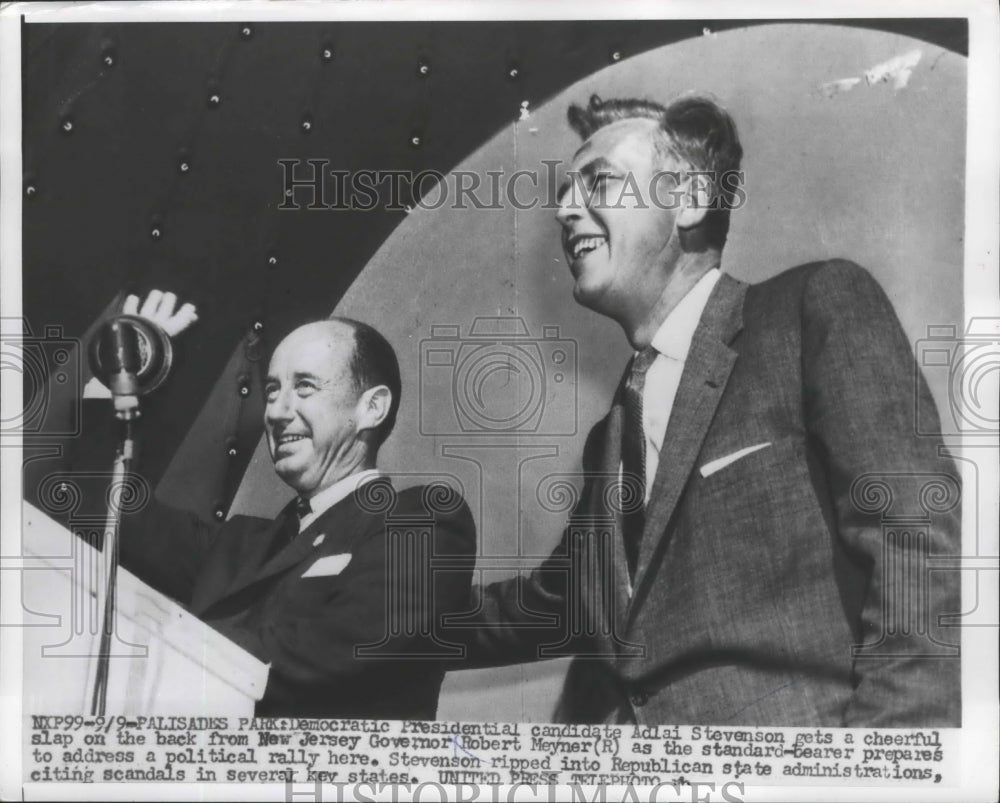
x=747, y=577
x=346, y=614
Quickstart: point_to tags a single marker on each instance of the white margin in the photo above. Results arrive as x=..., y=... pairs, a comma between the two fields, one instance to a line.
x=982, y=299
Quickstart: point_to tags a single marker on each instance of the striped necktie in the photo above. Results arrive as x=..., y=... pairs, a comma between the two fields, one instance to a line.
x=633, y=491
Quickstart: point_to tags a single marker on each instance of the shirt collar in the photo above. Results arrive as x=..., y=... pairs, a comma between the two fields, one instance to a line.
x=328, y=497
x=673, y=338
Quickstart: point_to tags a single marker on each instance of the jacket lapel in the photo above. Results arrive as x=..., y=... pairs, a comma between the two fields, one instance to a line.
x=339, y=525
x=703, y=381
x=252, y=554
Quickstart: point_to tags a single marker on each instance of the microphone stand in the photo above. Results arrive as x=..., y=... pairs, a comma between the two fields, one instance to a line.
x=129, y=370
x=119, y=480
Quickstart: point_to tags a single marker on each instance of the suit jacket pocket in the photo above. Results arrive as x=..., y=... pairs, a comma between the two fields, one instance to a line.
x=749, y=465
x=328, y=566
x=714, y=466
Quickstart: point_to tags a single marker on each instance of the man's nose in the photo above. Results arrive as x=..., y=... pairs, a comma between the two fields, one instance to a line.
x=570, y=209
x=279, y=409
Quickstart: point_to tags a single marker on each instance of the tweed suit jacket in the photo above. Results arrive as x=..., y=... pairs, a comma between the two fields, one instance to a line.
x=768, y=579
x=334, y=648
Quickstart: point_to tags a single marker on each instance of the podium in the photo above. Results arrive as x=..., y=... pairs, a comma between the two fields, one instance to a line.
x=163, y=659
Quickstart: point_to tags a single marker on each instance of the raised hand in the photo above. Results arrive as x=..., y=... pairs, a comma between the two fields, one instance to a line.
x=159, y=308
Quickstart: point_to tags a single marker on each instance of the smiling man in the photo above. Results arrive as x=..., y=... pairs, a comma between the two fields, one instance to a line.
x=745, y=575
x=344, y=606
x=643, y=241
x=327, y=412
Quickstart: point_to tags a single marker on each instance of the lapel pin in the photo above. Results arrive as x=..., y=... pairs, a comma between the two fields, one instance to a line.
x=319, y=539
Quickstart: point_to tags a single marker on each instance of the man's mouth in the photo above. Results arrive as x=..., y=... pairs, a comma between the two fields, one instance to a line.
x=582, y=244
x=288, y=439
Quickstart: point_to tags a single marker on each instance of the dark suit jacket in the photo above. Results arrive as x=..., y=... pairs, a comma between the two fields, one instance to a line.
x=245, y=579
x=756, y=584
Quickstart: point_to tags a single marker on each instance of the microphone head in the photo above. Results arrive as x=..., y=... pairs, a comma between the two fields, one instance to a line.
x=130, y=355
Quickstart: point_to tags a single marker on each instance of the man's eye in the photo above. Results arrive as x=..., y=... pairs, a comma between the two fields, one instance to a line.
x=304, y=387
x=270, y=392
x=597, y=183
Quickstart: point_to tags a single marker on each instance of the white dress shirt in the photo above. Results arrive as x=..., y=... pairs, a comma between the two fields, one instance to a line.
x=328, y=497
x=672, y=341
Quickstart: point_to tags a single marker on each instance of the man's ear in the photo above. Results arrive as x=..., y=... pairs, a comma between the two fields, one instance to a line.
x=373, y=407
x=696, y=200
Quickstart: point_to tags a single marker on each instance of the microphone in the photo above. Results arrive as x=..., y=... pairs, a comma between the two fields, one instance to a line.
x=131, y=356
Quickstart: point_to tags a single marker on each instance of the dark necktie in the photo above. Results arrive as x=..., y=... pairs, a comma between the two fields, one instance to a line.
x=293, y=514
x=290, y=517
x=634, y=457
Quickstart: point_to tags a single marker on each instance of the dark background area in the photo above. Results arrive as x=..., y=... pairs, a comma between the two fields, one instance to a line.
x=111, y=112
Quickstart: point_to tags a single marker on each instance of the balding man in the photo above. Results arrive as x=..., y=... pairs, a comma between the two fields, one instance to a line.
x=312, y=591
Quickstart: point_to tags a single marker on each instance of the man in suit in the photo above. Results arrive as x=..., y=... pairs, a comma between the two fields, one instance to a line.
x=744, y=575
x=344, y=611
